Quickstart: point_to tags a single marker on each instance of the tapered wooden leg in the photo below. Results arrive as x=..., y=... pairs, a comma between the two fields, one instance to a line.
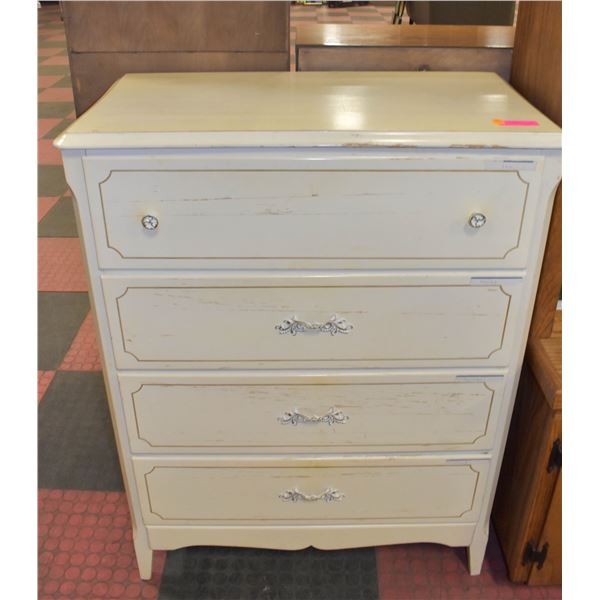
x=476, y=551
x=143, y=553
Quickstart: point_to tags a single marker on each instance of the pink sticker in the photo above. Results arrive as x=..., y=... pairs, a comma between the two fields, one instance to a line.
x=504, y=123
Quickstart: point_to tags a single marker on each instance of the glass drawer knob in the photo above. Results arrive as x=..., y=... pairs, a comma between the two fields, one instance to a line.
x=150, y=222
x=477, y=220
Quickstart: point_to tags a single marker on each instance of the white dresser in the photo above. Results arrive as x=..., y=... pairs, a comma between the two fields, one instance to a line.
x=312, y=292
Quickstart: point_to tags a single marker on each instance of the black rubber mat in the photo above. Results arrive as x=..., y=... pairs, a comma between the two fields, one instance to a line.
x=59, y=221
x=248, y=574
x=60, y=315
x=76, y=448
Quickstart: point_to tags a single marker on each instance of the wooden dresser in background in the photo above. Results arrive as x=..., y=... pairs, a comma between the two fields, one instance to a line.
x=527, y=510
x=344, y=47
x=105, y=40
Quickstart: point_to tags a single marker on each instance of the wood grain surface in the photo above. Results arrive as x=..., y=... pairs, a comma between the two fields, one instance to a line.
x=537, y=74
x=177, y=26
x=446, y=36
x=525, y=487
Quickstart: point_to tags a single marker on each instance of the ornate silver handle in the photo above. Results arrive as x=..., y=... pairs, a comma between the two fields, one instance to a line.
x=329, y=495
x=149, y=222
x=334, y=325
x=332, y=417
x=477, y=220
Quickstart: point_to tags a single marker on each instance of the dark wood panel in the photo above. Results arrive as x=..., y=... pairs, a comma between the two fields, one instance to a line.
x=176, y=26
x=447, y=36
x=544, y=355
x=93, y=73
x=473, y=12
x=525, y=487
x=550, y=276
x=404, y=59
x=537, y=61
x=551, y=572
x=527, y=504
x=537, y=74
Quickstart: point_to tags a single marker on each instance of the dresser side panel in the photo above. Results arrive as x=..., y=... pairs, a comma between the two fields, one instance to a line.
x=550, y=182
x=75, y=177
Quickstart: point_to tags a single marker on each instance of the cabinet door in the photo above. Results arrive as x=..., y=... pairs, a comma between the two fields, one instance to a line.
x=551, y=571
x=526, y=488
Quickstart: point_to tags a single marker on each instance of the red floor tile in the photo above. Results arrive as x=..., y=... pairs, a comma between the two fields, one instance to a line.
x=60, y=265
x=48, y=154
x=83, y=355
x=45, y=81
x=336, y=19
x=85, y=548
x=45, y=125
x=49, y=51
x=60, y=37
x=45, y=203
x=436, y=572
x=60, y=94
x=55, y=60
x=44, y=379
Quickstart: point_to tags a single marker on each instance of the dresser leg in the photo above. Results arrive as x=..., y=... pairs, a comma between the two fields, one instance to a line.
x=476, y=551
x=143, y=553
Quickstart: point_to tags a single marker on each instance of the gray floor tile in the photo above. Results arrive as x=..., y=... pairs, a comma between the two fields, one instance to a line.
x=76, y=448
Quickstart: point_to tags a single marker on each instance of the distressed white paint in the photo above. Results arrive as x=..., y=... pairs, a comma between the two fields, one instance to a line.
x=436, y=307
x=193, y=491
x=172, y=414
x=396, y=321
x=317, y=211
x=176, y=110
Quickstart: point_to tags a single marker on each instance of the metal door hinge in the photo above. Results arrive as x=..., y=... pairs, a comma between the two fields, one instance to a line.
x=555, y=460
x=532, y=555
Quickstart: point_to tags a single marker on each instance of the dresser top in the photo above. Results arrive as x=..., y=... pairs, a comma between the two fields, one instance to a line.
x=309, y=109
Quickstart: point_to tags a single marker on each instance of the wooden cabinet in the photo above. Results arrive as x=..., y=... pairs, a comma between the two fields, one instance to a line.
x=381, y=47
x=105, y=40
x=312, y=322
x=527, y=512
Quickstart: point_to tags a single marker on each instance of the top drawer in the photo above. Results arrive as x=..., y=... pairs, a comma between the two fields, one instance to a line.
x=212, y=212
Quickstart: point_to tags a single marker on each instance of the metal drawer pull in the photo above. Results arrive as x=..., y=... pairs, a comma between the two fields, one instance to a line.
x=477, y=220
x=149, y=222
x=334, y=325
x=329, y=495
x=332, y=417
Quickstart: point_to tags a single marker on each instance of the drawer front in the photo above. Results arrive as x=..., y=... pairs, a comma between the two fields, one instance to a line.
x=186, y=323
x=395, y=214
x=188, y=491
x=184, y=413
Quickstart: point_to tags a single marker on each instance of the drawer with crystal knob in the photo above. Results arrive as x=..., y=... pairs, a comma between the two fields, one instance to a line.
x=423, y=411
x=383, y=321
x=327, y=489
x=349, y=212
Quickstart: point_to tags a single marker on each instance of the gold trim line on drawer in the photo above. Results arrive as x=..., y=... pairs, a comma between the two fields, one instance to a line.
x=108, y=244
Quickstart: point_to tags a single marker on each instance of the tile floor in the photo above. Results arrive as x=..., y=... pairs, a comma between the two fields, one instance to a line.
x=85, y=549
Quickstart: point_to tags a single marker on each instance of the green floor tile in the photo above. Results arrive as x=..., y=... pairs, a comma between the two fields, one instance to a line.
x=51, y=180
x=59, y=221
